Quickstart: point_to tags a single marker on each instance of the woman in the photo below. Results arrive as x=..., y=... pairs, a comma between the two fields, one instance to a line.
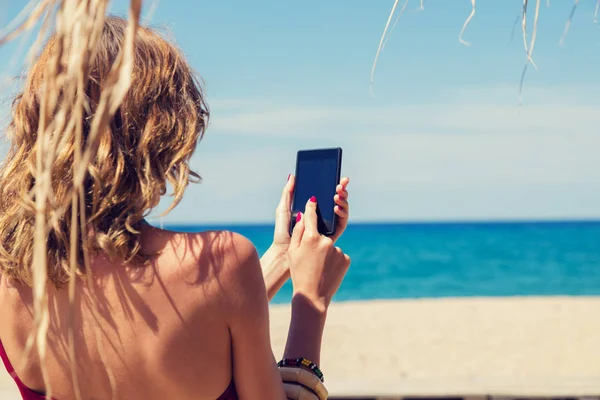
x=166, y=315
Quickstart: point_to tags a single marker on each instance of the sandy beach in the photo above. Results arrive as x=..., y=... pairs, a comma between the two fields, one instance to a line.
x=504, y=347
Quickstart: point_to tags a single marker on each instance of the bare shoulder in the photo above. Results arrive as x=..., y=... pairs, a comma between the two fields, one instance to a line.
x=224, y=250
x=237, y=272
x=210, y=249
x=222, y=265
x=240, y=261
x=221, y=255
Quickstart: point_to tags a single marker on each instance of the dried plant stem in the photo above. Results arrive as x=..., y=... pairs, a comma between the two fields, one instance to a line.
x=528, y=45
x=153, y=6
x=34, y=17
x=72, y=287
x=467, y=22
x=381, y=41
x=389, y=33
x=514, y=28
x=524, y=25
x=530, y=50
x=568, y=23
x=63, y=104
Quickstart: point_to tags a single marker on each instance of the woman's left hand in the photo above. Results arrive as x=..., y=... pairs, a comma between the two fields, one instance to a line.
x=281, y=236
x=283, y=215
x=275, y=263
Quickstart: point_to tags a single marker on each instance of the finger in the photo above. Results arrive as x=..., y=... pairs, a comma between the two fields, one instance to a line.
x=343, y=203
x=347, y=259
x=339, y=189
x=340, y=212
x=298, y=231
x=310, y=217
x=344, y=181
x=285, y=202
x=289, y=185
x=338, y=250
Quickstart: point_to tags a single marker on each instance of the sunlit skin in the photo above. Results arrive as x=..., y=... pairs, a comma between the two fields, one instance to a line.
x=274, y=262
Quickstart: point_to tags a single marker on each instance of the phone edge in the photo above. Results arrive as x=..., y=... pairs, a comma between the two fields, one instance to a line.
x=338, y=177
x=291, y=223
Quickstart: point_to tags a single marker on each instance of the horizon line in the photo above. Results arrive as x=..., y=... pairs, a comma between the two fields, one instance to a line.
x=499, y=221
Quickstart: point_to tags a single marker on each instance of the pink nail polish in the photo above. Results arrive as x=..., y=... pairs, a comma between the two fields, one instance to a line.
x=298, y=217
x=289, y=175
x=313, y=199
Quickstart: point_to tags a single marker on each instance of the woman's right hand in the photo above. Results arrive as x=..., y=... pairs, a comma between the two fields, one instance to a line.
x=317, y=267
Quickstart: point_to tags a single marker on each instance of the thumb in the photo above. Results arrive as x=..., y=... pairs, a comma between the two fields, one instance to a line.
x=285, y=202
x=297, y=232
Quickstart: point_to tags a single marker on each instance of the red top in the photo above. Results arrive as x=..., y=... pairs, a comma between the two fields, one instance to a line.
x=28, y=394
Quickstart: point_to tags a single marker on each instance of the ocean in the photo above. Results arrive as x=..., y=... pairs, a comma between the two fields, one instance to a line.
x=432, y=260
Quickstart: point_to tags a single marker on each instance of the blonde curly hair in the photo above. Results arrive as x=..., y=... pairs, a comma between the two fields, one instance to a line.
x=145, y=145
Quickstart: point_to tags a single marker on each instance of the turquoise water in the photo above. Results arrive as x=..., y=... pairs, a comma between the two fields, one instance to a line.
x=394, y=261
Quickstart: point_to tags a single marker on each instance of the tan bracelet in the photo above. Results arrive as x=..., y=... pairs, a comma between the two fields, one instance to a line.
x=298, y=392
x=305, y=378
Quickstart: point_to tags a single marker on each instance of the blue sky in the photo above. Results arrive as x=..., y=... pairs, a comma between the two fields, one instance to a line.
x=440, y=138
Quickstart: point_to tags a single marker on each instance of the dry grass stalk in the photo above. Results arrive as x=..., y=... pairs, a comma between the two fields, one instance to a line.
x=34, y=16
x=568, y=23
x=529, y=48
x=381, y=42
x=469, y=18
x=78, y=25
x=394, y=25
x=523, y=16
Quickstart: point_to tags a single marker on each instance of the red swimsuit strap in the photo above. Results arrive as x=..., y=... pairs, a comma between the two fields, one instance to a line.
x=26, y=393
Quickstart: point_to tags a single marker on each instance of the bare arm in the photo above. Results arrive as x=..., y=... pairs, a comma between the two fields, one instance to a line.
x=306, y=330
x=275, y=268
x=254, y=366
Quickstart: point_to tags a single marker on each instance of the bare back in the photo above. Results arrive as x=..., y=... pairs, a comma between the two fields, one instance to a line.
x=161, y=329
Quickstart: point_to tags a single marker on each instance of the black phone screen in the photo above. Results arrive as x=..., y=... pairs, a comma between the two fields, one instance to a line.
x=317, y=174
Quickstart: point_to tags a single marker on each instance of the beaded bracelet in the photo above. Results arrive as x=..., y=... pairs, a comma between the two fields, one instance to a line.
x=302, y=362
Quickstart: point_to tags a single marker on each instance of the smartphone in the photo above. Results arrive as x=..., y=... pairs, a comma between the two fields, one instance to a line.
x=317, y=174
